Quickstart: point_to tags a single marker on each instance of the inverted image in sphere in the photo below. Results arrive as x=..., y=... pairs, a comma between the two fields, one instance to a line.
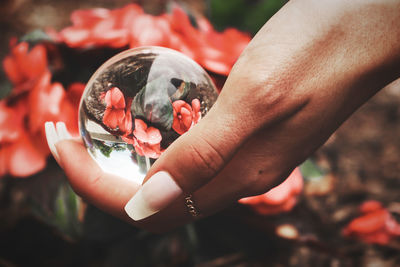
x=138, y=103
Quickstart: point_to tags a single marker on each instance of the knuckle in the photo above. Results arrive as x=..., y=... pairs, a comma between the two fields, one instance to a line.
x=206, y=157
x=261, y=182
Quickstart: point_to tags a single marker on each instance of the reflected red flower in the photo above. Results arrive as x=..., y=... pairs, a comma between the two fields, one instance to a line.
x=185, y=116
x=146, y=134
x=24, y=67
x=376, y=225
x=115, y=114
x=146, y=140
x=281, y=198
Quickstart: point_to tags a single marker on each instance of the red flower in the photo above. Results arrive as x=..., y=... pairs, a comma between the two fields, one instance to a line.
x=49, y=102
x=24, y=67
x=146, y=140
x=375, y=225
x=216, y=52
x=22, y=158
x=185, y=116
x=145, y=134
x=21, y=153
x=279, y=199
x=115, y=114
x=117, y=28
x=100, y=27
x=23, y=147
x=150, y=30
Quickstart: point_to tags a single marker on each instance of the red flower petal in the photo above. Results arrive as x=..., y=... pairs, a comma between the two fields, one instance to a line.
x=35, y=62
x=153, y=136
x=12, y=70
x=371, y=205
x=25, y=159
x=368, y=223
x=10, y=125
x=88, y=17
x=115, y=98
x=75, y=37
x=183, y=116
x=140, y=130
x=45, y=102
x=74, y=93
x=279, y=199
x=4, y=156
x=126, y=124
x=113, y=117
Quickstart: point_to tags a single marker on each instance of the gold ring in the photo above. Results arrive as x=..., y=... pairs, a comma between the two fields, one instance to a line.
x=191, y=206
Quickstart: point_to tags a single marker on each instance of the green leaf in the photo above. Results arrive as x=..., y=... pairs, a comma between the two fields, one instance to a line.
x=35, y=36
x=153, y=104
x=66, y=212
x=104, y=149
x=243, y=14
x=310, y=170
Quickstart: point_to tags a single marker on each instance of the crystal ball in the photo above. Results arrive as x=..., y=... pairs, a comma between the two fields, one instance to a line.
x=137, y=103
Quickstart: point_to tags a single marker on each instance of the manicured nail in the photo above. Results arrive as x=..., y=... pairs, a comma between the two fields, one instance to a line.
x=159, y=191
x=62, y=131
x=52, y=138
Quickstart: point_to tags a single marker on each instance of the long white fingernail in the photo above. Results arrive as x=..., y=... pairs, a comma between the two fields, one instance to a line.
x=157, y=193
x=52, y=138
x=62, y=131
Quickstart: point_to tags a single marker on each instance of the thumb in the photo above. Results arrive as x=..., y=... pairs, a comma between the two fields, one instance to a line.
x=191, y=161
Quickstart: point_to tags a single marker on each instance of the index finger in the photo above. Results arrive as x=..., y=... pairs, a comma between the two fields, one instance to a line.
x=106, y=191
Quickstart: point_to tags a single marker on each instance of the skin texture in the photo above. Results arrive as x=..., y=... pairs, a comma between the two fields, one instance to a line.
x=306, y=71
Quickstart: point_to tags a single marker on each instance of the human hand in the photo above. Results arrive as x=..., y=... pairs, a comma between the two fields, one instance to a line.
x=303, y=74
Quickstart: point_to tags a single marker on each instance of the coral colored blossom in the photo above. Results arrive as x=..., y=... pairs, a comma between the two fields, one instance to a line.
x=115, y=114
x=9, y=129
x=22, y=153
x=185, y=116
x=24, y=67
x=281, y=198
x=100, y=27
x=49, y=102
x=376, y=225
x=34, y=100
x=146, y=140
x=129, y=25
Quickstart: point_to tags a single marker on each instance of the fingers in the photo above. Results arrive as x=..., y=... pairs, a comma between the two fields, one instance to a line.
x=190, y=162
x=106, y=191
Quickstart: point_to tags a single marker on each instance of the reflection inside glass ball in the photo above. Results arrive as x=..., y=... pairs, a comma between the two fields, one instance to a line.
x=137, y=104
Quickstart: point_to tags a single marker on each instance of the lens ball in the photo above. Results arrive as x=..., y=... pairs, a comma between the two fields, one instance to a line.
x=139, y=102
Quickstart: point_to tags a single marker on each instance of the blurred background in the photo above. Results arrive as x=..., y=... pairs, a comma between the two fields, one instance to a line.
x=43, y=223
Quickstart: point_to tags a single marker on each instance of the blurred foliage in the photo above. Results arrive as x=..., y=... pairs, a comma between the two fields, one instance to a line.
x=310, y=170
x=247, y=15
x=36, y=36
x=64, y=215
x=5, y=86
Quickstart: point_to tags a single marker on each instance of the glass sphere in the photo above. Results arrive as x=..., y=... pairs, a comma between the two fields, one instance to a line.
x=137, y=103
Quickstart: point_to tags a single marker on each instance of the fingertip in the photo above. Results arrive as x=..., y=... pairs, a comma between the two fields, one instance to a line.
x=52, y=138
x=62, y=131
